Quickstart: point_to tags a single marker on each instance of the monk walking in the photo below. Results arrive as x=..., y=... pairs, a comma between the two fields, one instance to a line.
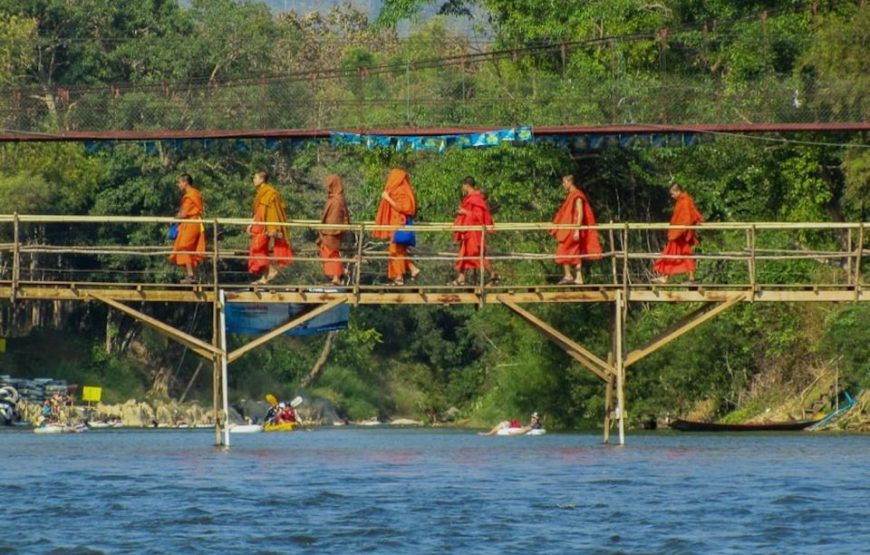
x=188, y=250
x=680, y=241
x=397, y=205
x=575, y=245
x=472, y=211
x=335, y=212
x=268, y=210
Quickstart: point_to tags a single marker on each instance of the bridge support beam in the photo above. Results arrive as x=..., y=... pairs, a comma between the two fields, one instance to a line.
x=576, y=351
x=688, y=323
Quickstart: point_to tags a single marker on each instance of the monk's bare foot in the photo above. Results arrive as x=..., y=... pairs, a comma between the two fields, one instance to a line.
x=579, y=280
x=270, y=275
x=659, y=279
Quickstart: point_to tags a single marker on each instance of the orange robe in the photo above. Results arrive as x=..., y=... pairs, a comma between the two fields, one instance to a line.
x=398, y=186
x=335, y=212
x=269, y=208
x=189, y=245
x=471, y=242
x=680, y=241
x=568, y=249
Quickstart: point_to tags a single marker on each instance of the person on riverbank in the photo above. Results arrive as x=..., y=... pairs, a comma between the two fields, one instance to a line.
x=575, y=245
x=681, y=242
x=269, y=246
x=473, y=210
x=188, y=250
x=334, y=212
x=398, y=203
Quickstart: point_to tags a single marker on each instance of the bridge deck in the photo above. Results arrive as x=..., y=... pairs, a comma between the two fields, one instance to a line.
x=437, y=295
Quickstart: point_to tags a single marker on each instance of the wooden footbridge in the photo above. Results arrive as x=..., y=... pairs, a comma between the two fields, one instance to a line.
x=78, y=258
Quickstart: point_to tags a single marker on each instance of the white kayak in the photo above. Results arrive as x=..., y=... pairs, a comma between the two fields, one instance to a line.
x=246, y=428
x=520, y=432
x=59, y=428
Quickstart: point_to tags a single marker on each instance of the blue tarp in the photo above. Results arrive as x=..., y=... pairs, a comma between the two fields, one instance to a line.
x=260, y=318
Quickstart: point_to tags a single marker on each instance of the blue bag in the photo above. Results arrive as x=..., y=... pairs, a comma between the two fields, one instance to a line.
x=173, y=232
x=406, y=238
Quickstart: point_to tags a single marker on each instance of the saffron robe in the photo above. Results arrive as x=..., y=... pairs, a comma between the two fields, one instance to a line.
x=471, y=242
x=189, y=245
x=268, y=208
x=680, y=241
x=335, y=212
x=571, y=251
x=398, y=186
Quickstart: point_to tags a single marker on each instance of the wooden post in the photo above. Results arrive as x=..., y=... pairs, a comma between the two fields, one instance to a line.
x=359, y=253
x=217, y=310
x=620, y=363
x=752, y=267
x=16, y=257
x=858, y=256
x=608, y=401
x=482, y=280
x=849, y=256
x=613, y=257
x=223, y=364
x=625, y=260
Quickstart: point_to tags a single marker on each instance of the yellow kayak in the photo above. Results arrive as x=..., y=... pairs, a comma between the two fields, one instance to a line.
x=282, y=427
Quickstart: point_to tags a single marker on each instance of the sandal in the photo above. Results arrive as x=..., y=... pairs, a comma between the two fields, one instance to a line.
x=188, y=280
x=415, y=274
x=397, y=282
x=566, y=281
x=494, y=280
x=456, y=283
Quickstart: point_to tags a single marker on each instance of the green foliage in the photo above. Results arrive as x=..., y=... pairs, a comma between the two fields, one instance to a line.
x=847, y=340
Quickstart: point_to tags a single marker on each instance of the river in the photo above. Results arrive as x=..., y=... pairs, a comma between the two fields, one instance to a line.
x=379, y=490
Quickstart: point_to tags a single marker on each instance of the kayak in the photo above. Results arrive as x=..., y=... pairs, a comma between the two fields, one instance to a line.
x=520, y=432
x=59, y=428
x=245, y=428
x=282, y=427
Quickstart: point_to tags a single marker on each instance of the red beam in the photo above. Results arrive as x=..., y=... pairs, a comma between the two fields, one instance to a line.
x=170, y=134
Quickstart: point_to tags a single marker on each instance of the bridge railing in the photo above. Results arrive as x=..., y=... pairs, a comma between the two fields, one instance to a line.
x=132, y=250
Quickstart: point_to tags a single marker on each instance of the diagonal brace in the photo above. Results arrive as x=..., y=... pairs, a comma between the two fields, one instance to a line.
x=688, y=323
x=582, y=355
x=198, y=346
x=283, y=329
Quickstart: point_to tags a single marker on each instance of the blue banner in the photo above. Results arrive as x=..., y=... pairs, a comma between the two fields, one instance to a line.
x=437, y=142
x=260, y=318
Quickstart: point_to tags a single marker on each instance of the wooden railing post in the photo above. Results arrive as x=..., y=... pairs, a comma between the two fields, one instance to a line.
x=482, y=280
x=215, y=256
x=858, y=256
x=613, y=256
x=16, y=257
x=752, y=263
x=849, y=258
x=359, y=260
x=625, y=260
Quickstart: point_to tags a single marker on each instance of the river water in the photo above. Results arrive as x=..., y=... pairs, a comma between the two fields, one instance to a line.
x=378, y=490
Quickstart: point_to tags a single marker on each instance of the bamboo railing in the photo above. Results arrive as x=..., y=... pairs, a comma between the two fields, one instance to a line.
x=60, y=253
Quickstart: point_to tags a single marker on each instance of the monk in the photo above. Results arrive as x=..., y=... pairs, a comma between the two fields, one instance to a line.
x=268, y=208
x=335, y=212
x=188, y=250
x=680, y=241
x=397, y=204
x=472, y=211
x=575, y=245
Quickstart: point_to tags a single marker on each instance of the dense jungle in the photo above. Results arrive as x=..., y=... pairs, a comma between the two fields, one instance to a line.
x=222, y=64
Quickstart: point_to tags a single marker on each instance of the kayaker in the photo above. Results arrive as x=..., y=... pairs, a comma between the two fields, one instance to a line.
x=285, y=414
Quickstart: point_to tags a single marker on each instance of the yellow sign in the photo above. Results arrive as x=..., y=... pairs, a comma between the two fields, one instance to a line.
x=2, y=344
x=91, y=394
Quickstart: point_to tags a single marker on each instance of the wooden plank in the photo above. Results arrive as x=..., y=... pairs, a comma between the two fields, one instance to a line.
x=582, y=355
x=424, y=295
x=690, y=322
x=203, y=349
x=283, y=329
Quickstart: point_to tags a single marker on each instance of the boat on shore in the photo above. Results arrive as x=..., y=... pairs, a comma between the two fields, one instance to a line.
x=690, y=426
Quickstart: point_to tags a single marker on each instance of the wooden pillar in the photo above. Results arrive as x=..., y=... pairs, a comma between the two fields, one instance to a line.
x=16, y=257
x=619, y=352
x=608, y=401
x=216, y=371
